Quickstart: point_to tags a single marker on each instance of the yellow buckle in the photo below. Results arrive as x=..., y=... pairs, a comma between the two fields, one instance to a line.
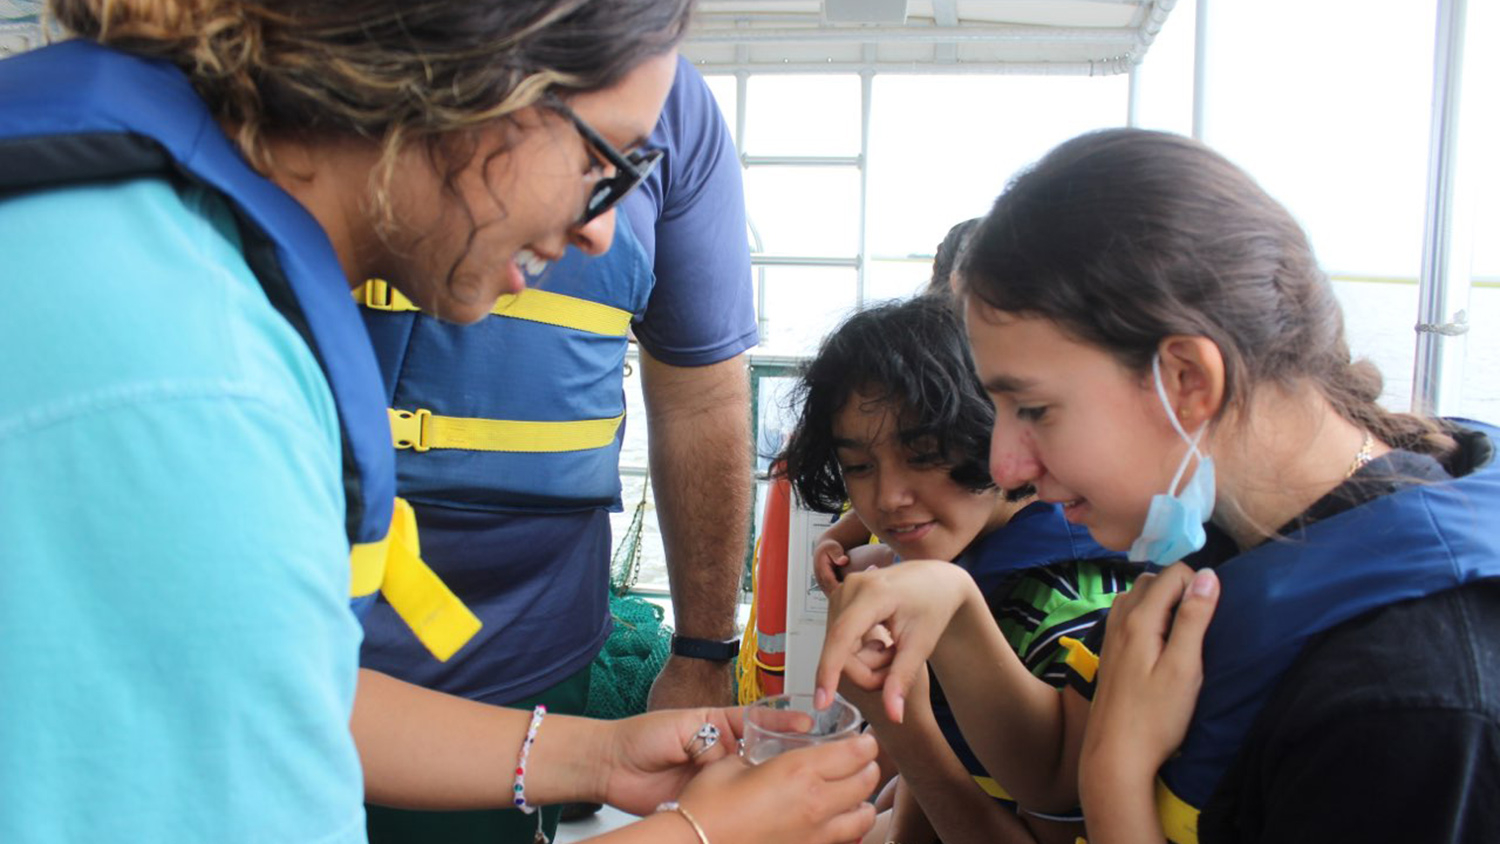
x=379, y=295
x=409, y=429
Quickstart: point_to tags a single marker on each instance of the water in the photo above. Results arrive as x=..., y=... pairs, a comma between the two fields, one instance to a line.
x=770, y=728
x=1379, y=318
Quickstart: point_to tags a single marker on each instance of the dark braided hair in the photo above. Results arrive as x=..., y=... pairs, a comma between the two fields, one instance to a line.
x=1123, y=237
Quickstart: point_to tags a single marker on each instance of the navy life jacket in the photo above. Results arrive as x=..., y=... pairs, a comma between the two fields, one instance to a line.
x=545, y=437
x=1036, y=538
x=76, y=112
x=1416, y=542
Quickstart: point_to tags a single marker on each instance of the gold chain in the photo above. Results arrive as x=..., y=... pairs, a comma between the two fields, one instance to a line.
x=1364, y=455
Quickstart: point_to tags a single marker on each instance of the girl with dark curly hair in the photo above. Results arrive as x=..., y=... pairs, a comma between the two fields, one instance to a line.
x=894, y=421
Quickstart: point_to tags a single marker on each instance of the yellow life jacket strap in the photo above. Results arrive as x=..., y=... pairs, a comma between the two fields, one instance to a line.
x=531, y=304
x=1179, y=820
x=394, y=566
x=993, y=788
x=422, y=430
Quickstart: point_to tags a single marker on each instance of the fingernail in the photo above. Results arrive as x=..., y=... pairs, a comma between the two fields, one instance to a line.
x=899, y=707
x=1204, y=583
x=820, y=699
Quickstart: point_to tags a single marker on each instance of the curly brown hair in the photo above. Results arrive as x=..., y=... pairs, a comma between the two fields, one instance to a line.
x=398, y=72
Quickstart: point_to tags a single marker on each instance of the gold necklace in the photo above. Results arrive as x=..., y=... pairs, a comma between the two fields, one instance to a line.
x=1365, y=454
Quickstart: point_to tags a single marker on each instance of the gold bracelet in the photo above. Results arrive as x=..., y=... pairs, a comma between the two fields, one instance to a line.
x=674, y=806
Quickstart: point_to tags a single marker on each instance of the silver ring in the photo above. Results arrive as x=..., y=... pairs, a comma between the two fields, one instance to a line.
x=706, y=737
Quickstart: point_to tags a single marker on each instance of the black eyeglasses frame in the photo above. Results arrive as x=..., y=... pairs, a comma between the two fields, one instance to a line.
x=631, y=168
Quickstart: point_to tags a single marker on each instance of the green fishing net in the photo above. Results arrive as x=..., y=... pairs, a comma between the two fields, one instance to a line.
x=620, y=678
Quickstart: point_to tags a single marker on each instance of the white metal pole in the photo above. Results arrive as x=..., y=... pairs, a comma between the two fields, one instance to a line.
x=866, y=91
x=1200, y=65
x=1433, y=322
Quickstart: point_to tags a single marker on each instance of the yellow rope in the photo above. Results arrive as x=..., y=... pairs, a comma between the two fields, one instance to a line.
x=745, y=666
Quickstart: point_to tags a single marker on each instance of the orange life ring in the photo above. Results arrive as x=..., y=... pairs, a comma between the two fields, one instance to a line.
x=764, y=672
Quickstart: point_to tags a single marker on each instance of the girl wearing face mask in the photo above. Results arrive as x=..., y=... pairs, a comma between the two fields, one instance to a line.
x=1162, y=349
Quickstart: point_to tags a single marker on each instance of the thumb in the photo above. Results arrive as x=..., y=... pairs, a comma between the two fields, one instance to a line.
x=1195, y=612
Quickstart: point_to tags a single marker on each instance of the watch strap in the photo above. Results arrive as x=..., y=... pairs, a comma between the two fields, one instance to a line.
x=709, y=649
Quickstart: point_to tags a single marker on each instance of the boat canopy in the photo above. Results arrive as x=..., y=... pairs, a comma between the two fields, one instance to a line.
x=1075, y=37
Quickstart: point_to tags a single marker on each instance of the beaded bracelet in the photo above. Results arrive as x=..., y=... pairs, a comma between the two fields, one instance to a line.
x=674, y=806
x=536, y=722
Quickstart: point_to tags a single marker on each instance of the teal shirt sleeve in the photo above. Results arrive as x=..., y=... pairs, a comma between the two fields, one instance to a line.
x=177, y=657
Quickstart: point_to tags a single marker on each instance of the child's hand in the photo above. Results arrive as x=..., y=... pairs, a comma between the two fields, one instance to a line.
x=829, y=561
x=864, y=557
x=1149, y=673
x=874, y=655
x=914, y=601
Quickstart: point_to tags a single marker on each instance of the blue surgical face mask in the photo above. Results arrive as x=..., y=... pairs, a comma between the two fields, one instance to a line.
x=1174, y=524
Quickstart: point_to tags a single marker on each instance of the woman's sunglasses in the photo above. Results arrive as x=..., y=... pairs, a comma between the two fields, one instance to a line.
x=630, y=168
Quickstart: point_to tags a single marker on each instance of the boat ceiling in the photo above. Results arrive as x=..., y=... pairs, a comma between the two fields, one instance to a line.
x=1090, y=37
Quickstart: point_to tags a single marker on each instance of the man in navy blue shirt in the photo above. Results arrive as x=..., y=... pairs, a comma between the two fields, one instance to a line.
x=516, y=521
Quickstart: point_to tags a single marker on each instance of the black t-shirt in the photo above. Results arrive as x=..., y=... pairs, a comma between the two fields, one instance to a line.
x=1386, y=728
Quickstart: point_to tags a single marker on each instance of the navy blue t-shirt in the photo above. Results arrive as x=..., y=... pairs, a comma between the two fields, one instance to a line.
x=538, y=576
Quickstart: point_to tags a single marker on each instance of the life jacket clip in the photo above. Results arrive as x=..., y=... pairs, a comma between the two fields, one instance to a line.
x=409, y=428
x=378, y=294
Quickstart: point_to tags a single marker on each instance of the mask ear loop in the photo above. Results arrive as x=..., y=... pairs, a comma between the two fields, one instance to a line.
x=1191, y=440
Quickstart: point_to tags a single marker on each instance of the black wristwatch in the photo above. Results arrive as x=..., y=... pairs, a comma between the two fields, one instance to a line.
x=709, y=649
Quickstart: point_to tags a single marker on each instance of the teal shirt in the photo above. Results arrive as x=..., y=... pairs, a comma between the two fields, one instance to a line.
x=177, y=656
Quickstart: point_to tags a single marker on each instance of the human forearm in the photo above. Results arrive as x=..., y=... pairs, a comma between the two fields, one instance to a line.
x=659, y=828
x=954, y=806
x=907, y=823
x=1118, y=802
x=423, y=749
x=699, y=420
x=700, y=466
x=1014, y=721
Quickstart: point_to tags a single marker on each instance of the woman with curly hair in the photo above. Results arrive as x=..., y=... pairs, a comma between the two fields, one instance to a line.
x=197, y=435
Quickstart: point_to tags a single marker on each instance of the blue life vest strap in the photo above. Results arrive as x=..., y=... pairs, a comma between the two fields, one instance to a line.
x=76, y=113
x=1418, y=541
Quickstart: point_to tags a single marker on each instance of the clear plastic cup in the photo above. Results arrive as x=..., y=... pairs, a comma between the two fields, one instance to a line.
x=780, y=723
